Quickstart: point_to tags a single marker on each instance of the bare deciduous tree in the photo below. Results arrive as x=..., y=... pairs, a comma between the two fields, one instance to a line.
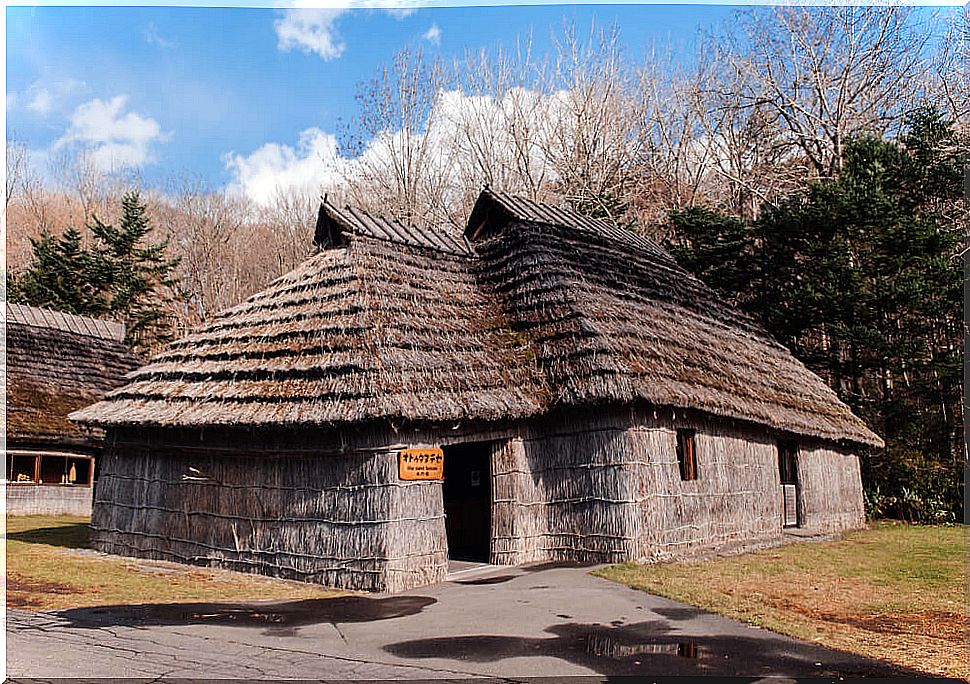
x=952, y=68
x=398, y=169
x=823, y=74
x=18, y=166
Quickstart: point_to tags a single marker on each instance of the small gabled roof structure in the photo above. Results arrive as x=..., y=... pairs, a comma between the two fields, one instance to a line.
x=535, y=307
x=335, y=226
x=56, y=364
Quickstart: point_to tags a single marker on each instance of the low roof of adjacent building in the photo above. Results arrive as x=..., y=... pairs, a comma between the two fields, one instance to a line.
x=535, y=307
x=58, y=363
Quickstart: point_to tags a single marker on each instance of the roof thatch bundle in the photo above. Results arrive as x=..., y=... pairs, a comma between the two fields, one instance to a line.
x=56, y=364
x=539, y=307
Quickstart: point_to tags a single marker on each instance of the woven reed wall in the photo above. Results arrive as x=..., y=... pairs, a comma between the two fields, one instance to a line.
x=48, y=500
x=830, y=489
x=735, y=501
x=564, y=496
x=606, y=486
x=601, y=485
x=343, y=521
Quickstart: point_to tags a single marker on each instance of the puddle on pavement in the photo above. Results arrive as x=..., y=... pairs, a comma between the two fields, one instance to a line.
x=604, y=645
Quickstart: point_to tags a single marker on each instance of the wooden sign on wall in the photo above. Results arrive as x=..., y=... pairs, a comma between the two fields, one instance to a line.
x=421, y=464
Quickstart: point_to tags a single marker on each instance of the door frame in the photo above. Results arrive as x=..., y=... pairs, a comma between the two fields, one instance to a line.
x=788, y=456
x=489, y=448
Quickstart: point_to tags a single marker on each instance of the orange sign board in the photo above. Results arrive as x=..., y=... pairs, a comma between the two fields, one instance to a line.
x=421, y=464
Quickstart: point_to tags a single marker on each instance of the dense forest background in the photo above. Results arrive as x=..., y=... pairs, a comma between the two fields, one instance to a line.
x=810, y=167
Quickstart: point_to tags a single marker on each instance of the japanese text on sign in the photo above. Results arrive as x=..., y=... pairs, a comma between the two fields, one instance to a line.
x=421, y=464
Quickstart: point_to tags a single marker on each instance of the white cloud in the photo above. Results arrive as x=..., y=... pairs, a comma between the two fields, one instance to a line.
x=460, y=126
x=114, y=138
x=153, y=37
x=273, y=168
x=433, y=34
x=46, y=96
x=399, y=9
x=310, y=26
x=310, y=30
x=41, y=102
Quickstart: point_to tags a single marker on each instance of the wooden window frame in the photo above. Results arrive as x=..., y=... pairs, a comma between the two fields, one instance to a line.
x=687, y=454
x=38, y=457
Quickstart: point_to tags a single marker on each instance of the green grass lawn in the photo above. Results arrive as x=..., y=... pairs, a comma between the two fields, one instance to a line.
x=895, y=592
x=49, y=568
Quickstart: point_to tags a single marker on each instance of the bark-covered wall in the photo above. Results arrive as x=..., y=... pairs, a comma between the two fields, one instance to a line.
x=340, y=520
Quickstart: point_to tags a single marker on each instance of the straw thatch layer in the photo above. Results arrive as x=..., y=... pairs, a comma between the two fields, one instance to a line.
x=349, y=524
x=612, y=322
x=546, y=308
x=369, y=331
x=57, y=363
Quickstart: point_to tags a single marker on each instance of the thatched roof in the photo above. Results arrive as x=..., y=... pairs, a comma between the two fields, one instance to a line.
x=56, y=364
x=536, y=307
x=366, y=330
x=614, y=318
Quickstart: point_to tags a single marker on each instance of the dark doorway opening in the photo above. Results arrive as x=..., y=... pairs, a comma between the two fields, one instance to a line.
x=467, y=491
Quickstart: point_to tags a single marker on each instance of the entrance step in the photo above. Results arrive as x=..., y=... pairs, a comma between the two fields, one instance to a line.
x=468, y=569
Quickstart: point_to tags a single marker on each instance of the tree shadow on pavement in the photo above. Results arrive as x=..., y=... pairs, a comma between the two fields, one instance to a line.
x=278, y=618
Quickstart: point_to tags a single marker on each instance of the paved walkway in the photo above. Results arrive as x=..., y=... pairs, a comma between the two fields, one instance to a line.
x=505, y=622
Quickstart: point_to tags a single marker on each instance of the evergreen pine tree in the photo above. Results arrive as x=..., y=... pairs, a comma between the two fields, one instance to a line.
x=858, y=275
x=121, y=276
x=61, y=276
x=139, y=273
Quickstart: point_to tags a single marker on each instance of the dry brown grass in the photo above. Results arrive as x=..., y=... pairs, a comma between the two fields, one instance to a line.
x=894, y=592
x=50, y=568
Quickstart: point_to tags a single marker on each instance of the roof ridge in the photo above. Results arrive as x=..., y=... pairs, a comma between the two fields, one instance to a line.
x=358, y=221
x=544, y=213
x=38, y=317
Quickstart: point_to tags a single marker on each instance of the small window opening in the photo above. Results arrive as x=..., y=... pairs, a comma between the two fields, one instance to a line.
x=22, y=469
x=686, y=454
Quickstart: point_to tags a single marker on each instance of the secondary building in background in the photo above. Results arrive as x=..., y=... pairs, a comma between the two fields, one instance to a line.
x=585, y=398
x=56, y=363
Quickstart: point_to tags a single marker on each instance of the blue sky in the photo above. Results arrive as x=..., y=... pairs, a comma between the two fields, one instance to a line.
x=176, y=89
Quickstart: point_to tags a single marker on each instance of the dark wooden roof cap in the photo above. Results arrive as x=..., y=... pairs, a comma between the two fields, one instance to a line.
x=58, y=320
x=333, y=224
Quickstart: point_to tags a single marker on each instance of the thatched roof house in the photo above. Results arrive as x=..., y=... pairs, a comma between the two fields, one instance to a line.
x=593, y=401
x=56, y=364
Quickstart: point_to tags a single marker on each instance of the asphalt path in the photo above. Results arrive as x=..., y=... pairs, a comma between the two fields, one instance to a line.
x=543, y=621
